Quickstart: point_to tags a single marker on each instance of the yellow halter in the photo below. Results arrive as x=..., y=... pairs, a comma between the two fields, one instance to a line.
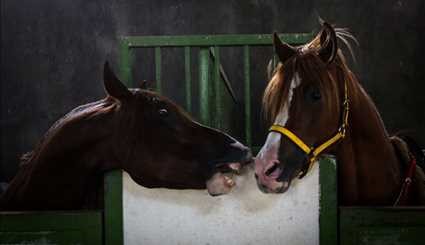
x=311, y=151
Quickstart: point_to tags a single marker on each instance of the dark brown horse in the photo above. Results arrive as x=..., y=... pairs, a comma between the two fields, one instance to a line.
x=317, y=105
x=136, y=130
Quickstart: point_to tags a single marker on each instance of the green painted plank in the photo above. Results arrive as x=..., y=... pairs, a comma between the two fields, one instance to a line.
x=52, y=227
x=247, y=95
x=214, y=40
x=188, y=79
x=328, y=217
x=46, y=219
x=204, y=95
x=222, y=111
x=113, y=213
x=125, y=63
x=382, y=225
x=218, y=117
x=158, y=69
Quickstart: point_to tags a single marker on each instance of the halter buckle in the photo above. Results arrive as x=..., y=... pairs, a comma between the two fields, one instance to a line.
x=342, y=130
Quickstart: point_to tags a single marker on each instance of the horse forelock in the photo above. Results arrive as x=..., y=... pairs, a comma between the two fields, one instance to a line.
x=276, y=92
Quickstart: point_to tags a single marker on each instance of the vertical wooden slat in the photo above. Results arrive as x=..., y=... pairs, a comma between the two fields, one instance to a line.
x=113, y=197
x=188, y=78
x=204, y=100
x=218, y=117
x=247, y=96
x=125, y=63
x=328, y=216
x=113, y=208
x=158, y=69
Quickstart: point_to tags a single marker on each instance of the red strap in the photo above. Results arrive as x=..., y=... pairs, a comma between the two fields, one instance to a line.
x=412, y=168
x=402, y=197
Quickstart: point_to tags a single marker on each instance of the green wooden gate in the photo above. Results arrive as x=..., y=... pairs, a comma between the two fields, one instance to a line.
x=212, y=96
x=338, y=225
x=211, y=93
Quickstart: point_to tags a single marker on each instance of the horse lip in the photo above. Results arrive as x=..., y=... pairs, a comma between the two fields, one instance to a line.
x=245, y=159
x=267, y=190
x=284, y=188
x=232, y=167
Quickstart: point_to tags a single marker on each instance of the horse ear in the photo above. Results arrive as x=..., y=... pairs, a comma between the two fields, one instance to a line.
x=328, y=43
x=113, y=86
x=283, y=50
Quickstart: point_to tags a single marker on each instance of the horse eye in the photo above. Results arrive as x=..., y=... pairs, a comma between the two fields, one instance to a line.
x=316, y=95
x=163, y=112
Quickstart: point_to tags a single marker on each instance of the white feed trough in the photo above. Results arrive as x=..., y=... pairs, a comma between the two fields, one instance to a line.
x=245, y=216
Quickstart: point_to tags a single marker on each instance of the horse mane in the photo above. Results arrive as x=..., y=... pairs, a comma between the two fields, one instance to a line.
x=55, y=140
x=307, y=60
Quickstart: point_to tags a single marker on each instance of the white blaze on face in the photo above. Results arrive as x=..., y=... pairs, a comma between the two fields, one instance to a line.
x=269, y=151
x=283, y=115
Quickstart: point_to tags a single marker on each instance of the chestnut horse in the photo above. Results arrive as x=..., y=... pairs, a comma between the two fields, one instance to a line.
x=318, y=106
x=136, y=130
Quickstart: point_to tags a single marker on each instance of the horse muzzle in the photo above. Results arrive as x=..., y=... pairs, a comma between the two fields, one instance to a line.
x=236, y=158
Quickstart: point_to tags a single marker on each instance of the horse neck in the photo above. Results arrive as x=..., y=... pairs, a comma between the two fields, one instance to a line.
x=369, y=171
x=73, y=165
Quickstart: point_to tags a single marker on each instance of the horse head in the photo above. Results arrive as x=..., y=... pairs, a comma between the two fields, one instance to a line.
x=306, y=100
x=159, y=145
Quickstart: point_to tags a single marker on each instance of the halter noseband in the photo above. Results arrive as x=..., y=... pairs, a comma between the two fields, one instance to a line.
x=311, y=151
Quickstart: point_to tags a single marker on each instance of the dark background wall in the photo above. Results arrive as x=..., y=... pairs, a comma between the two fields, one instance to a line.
x=52, y=52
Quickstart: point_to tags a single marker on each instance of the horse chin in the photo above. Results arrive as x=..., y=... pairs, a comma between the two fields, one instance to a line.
x=284, y=187
x=274, y=186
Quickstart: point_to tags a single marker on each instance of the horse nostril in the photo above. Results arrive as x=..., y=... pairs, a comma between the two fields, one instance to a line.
x=271, y=169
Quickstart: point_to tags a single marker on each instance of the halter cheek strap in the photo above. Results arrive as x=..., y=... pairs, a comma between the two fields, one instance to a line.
x=314, y=152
